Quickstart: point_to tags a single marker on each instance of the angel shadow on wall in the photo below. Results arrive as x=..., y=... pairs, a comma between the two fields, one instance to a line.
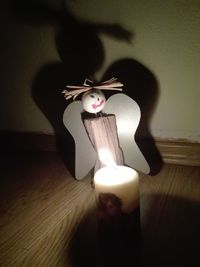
x=81, y=55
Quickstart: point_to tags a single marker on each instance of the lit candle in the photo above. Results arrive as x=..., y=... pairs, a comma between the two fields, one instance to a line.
x=117, y=193
x=120, y=181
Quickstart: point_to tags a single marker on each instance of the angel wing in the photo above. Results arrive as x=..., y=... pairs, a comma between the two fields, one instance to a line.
x=127, y=114
x=85, y=155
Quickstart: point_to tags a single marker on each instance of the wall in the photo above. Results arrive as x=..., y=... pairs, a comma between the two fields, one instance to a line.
x=166, y=41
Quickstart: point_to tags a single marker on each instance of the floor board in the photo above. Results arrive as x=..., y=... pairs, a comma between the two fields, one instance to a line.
x=47, y=217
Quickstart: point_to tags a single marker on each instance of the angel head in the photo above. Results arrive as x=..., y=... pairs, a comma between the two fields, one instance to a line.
x=93, y=99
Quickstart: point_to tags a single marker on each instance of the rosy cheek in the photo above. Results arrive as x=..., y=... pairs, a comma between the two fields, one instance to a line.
x=94, y=106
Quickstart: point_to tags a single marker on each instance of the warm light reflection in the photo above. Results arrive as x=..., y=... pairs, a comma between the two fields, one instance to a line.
x=106, y=158
x=125, y=127
x=118, y=175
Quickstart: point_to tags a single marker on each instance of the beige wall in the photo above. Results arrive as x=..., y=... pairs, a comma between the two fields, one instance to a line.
x=166, y=40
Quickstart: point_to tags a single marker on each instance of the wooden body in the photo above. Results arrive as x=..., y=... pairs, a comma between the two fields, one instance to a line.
x=102, y=132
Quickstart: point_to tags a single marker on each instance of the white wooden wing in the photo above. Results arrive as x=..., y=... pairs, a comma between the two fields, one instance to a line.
x=85, y=155
x=128, y=116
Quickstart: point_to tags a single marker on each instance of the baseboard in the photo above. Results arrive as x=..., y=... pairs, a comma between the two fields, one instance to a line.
x=181, y=152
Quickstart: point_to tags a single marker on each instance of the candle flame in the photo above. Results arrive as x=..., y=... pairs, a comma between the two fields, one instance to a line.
x=106, y=157
x=120, y=175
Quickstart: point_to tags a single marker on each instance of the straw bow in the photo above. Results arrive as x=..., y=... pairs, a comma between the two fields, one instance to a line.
x=111, y=84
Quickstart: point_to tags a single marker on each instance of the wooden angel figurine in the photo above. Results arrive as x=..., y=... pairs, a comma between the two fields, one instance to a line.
x=114, y=130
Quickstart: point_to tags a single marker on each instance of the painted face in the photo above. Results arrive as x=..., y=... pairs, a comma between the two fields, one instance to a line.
x=93, y=101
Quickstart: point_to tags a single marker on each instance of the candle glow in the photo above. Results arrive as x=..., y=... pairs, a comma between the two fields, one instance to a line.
x=121, y=181
x=106, y=157
x=115, y=176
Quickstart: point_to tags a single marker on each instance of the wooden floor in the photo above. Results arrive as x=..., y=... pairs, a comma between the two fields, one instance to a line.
x=47, y=218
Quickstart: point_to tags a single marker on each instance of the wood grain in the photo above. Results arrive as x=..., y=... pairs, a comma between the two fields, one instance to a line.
x=181, y=152
x=170, y=209
x=45, y=201
x=103, y=135
x=48, y=218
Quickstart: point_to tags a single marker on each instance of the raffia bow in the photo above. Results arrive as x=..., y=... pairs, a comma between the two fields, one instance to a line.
x=111, y=84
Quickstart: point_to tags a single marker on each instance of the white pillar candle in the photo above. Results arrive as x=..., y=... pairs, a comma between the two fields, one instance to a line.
x=120, y=181
x=118, y=213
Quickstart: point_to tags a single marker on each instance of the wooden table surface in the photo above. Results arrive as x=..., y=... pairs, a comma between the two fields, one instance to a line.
x=48, y=219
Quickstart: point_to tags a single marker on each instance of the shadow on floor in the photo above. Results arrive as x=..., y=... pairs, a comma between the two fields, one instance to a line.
x=171, y=232
x=170, y=237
